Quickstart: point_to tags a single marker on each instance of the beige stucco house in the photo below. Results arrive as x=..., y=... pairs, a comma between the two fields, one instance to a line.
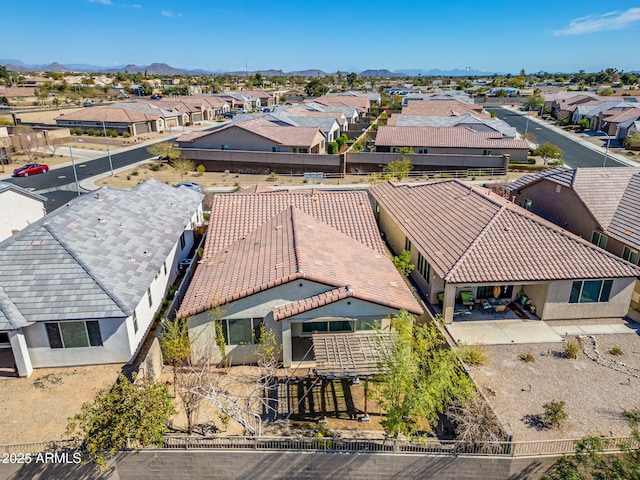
x=463, y=238
x=299, y=263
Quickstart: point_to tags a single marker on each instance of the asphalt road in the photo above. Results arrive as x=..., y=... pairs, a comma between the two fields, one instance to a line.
x=59, y=186
x=574, y=153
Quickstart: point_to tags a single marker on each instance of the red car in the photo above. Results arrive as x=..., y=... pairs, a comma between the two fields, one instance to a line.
x=30, y=169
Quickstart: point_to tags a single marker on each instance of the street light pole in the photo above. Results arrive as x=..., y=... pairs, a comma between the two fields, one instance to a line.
x=606, y=152
x=75, y=174
x=104, y=129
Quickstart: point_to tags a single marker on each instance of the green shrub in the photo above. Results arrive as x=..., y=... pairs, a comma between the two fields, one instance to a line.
x=126, y=134
x=200, y=169
x=616, y=351
x=554, y=414
x=527, y=357
x=332, y=148
x=135, y=173
x=155, y=167
x=473, y=354
x=94, y=133
x=571, y=349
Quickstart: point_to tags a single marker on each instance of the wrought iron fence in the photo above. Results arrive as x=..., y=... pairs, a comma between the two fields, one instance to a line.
x=429, y=445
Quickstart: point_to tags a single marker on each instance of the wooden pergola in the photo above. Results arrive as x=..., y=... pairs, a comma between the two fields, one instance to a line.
x=348, y=355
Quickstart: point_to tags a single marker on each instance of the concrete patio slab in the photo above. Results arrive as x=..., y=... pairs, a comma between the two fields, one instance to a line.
x=502, y=332
x=596, y=329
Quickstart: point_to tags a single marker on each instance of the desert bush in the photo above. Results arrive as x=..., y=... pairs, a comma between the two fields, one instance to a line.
x=527, y=357
x=616, y=351
x=571, y=349
x=554, y=414
x=473, y=354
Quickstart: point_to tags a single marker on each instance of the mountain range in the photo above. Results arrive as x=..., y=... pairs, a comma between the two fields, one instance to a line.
x=164, y=69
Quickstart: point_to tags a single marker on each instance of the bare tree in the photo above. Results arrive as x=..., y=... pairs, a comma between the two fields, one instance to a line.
x=253, y=385
x=477, y=425
x=28, y=141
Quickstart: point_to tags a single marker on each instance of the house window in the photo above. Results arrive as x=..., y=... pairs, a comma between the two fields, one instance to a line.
x=506, y=291
x=241, y=331
x=149, y=297
x=182, y=241
x=407, y=244
x=599, y=239
x=74, y=334
x=590, y=291
x=164, y=266
x=367, y=324
x=486, y=152
x=527, y=204
x=134, y=317
x=424, y=268
x=630, y=255
x=423, y=150
x=4, y=337
x=335, y=326
x=275, y=149
x=224, y=147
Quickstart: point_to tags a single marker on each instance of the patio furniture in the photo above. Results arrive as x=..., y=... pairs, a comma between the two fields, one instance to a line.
x=467, y=298
x=501, y=309
x=486, y=307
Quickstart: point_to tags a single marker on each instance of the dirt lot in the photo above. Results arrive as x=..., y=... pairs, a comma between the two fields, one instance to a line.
x=239, y=381
x=595, y=396
x=37, y=408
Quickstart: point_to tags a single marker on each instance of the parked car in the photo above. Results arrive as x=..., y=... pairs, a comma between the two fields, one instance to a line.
x=87, y=104
x=30, y=169
x=156, y=97
x=228, y=115
x=191, y=185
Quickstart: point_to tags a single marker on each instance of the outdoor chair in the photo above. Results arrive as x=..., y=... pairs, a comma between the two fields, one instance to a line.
x=467, y=299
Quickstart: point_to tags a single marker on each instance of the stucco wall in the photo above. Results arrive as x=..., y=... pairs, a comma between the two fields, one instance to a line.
x=17, y=211
x=558, y=307
x=115, y=347
x=259, y=305
x=226, y=464
x=559, y=205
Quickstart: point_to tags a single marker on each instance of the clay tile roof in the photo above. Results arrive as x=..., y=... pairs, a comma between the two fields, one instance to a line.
x=235, y=215
x=310, y=303
x=444, y=137
x=107, y=114
x=468, y=235
x=292, y=245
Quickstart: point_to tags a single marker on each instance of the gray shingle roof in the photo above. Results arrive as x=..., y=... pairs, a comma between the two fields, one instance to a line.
x=94, y=257
x=611, y=195
x=467, y=235
x=5, y=186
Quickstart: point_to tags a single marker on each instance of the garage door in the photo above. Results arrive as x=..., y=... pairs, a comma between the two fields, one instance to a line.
x=141, y=128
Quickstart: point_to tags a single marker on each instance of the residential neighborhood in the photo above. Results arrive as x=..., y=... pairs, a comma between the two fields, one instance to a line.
x=265, y=260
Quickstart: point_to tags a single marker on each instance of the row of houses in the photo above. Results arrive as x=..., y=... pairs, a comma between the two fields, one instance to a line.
x=446, y=123
x=617, y=117
x=81, y=285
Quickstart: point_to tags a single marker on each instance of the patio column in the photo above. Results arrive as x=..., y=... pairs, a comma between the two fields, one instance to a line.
x=286, y=344
x=449, y=302
x=20, y=353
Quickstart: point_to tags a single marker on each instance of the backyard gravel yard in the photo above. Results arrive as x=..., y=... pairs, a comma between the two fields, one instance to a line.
x=596, y=396
x=36, y=409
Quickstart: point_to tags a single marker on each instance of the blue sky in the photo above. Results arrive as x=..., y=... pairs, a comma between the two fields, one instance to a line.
x=493, y=36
